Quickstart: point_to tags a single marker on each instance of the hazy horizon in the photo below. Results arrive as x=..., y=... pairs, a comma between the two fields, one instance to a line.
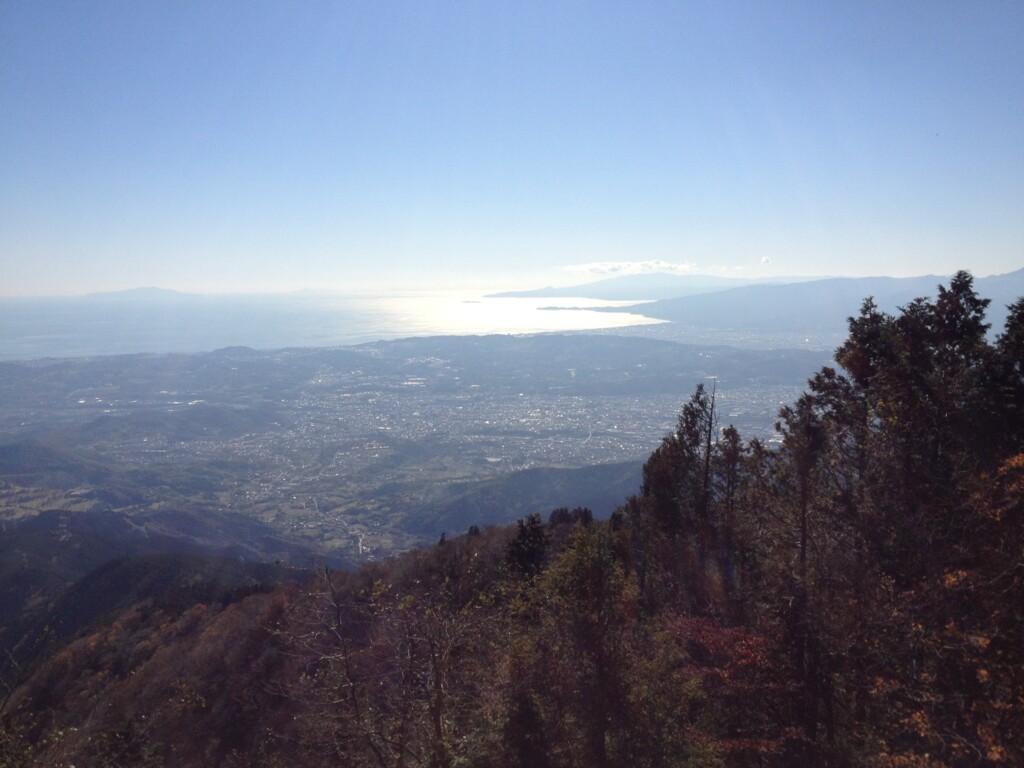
x=467, y=292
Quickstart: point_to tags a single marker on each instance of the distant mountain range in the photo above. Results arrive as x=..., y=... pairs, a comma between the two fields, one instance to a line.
x=638, y=287
x=140, y=294
x=802, y=305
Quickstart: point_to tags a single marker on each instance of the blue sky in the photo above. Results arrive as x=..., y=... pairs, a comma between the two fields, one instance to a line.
x=264, y=146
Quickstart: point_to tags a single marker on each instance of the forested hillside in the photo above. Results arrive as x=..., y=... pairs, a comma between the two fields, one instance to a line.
x=853, y=598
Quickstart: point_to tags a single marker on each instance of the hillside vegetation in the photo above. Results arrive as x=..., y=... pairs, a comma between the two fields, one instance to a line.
x=852, y=598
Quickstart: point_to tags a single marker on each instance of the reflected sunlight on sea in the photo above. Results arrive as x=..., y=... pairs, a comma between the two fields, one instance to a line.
x=463, y=314
x=169, y=322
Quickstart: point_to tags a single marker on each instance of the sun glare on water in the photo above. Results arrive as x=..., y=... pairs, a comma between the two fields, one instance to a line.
x=473, y=314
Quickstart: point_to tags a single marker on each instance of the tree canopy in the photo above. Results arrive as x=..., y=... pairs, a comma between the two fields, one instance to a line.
x=850, y=598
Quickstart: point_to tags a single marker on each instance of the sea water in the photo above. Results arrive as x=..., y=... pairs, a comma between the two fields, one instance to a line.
x=159, y=322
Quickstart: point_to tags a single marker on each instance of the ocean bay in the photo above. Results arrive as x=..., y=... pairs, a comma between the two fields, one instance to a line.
x=154, y=321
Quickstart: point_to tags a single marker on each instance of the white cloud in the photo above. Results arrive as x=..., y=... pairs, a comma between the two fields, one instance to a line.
x=614, y=268
x=766, y=259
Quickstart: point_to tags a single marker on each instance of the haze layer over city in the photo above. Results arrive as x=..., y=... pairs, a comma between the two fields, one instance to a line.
x=180, y=180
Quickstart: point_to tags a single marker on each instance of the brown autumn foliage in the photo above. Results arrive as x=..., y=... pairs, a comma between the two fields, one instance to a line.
x=850, y=599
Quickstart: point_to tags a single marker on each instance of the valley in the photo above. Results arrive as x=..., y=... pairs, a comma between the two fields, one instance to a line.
x=361, y=452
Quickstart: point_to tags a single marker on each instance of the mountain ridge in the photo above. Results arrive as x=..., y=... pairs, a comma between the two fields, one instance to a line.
x=819, y=306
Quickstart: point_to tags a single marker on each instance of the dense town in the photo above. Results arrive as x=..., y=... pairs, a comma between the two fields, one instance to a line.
x=345, y=447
